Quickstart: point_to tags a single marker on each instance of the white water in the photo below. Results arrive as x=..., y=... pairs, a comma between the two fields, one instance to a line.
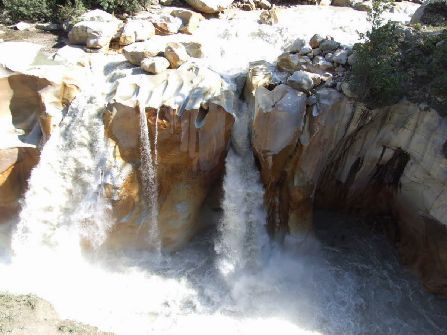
x=148, y=171
x=243, y=240
x=338, y=285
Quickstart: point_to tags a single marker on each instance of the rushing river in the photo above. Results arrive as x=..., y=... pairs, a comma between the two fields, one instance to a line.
x=230, y=279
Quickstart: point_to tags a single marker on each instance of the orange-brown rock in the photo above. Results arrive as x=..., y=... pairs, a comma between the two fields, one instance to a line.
x=191, y=147
x=32, y=97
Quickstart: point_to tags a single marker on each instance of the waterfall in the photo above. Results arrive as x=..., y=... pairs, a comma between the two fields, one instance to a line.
x=149, y=179
x=242, y=232
x=64, y=202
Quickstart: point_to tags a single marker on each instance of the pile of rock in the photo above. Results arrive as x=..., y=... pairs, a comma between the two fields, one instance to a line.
x=322, y=61
x=97, y=29
x=138, y=37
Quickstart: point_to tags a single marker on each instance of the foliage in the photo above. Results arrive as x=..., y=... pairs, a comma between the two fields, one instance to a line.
x=375, y=77
x=35, y=10
x=59, y=10
x=393, y=60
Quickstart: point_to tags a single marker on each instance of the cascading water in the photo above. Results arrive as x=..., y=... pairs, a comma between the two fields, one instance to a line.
x=334, y=286
x=243, y=237
x=64, y=202
x=148, y=170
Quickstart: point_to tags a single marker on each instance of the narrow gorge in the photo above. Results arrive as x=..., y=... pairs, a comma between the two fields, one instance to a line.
x=214, y=169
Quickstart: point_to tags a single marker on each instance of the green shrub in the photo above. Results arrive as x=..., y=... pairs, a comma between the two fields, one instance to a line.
x=32, y=10
x=375, y=77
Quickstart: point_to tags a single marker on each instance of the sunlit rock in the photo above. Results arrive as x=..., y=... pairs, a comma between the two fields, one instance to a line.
x=193, y=129
x=277, y=125
x=303, y=80
x=136, y=52
x=33, y=93
x=190, y=20
x=209, y=6
x=154, y=65
x=176, y=54
x=136, y=31
x=95, y=29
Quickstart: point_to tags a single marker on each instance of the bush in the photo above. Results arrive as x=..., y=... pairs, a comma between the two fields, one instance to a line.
x=375, y=77
x=32, y=10
x=60, y=10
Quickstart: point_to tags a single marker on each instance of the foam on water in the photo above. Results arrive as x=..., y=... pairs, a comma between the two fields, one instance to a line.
x=329, y=285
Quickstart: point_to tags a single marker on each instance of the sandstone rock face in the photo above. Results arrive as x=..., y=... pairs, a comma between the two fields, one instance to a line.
x=394, y=164
x=380, y=162
x=209, y=6
x=187, y=109
x=32, y=97
x=278, y=119
x=95, y=30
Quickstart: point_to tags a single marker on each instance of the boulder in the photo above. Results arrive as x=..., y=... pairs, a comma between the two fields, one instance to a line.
x=340, y=57
x=296, y=46
x=95, y=30
x=155, y=65
x=329, y=45
x=209, y=6
x=315, y=41
x=136, y=31
x=190, y=20
x=342, y=3
x=136, y=52
x=176, y=54
x=322, y=64
x=293, y=62
x=269, y=17
x=303, y=80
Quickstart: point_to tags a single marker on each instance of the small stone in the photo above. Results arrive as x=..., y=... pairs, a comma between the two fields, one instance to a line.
x=296, y=46
x=303, y=80
x=305, y=50
x=176, y=54
x=323, y=64
x=315, y=41
x=340, y=57
x=155, y=65
x=329, y=57
x=328, y=45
